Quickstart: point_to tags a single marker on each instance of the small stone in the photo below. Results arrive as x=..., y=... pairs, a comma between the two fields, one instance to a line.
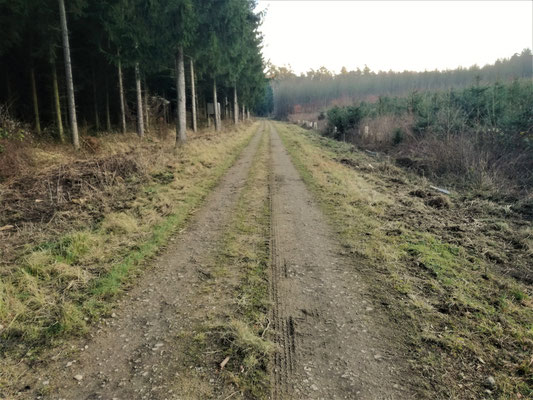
x=369, y=309
x=46, y=383
x=78, y=377
x=314, y=387
x=377, y=357
x=69, y=364
x=490, y=382
x=113, y=315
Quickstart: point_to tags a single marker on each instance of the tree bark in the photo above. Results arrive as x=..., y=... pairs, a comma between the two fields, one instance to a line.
x=193, y=99
x=225, y=107
x=35, y=101
x=121, y=94
x=140, y=122
x=146, y=109
x=243, y=108
x=95, y=99
x=107, y=111
x=57, y=104
x=207, y=115
x=68, y=72
x=181, y=122
x=235, y=106
x=215, y=106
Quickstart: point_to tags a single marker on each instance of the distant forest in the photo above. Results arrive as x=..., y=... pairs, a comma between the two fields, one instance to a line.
x=319, y=89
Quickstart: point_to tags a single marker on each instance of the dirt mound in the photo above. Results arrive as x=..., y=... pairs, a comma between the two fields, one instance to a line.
x=37, y=198
x=438, y=202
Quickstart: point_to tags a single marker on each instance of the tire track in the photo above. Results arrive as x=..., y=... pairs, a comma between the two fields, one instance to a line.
x=329, y=340
x=283, y=325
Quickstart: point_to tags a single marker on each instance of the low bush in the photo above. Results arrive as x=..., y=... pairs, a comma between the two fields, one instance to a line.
x=480, y=136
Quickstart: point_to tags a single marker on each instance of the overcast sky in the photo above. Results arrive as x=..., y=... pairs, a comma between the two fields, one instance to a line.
x=397, y=35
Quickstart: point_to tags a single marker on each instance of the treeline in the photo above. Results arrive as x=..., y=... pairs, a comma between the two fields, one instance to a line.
x=129, y=63
x=318, y=89
x=477, y=134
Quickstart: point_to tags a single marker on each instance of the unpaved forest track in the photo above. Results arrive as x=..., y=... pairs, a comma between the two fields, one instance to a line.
x=132, y=355
x=331, y=342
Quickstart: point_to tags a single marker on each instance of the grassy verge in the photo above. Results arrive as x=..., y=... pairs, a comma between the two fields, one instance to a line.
x=59, y=286
x=236, y=288
x=467, y=327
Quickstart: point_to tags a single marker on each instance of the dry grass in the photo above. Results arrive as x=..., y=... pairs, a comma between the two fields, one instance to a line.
x=382, y=131
x=60, y=273
x=443, y=272
x=467, y=160
x=237, y=297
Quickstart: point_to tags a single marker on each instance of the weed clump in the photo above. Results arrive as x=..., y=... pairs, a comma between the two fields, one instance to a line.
x=120, y=224
x=439, y=202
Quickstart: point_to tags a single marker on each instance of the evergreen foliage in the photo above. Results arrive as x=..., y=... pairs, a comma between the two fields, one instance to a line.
x=319, y=89
x=220, y=36
x=502, y=110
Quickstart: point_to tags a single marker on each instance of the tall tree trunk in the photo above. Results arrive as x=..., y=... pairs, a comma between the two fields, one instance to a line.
x=95, y=100
x=35, y=101
x=140, y=122
x=68, y=72
x=193, y=99
x=243, y=108
x=121, y=95
x=215, y=106
x=207, y=115
x=181, y=122
x=235, y=106
x=248, y=114
x=146, y=109
x=107, y=111
x=57, y=104
x=225, y=107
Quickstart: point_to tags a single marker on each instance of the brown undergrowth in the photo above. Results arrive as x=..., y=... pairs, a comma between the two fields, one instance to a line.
x=452, y=272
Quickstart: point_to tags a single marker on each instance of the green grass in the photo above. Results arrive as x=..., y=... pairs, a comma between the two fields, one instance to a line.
x=62, y=285
x=245, y=253
x=450, y=308
x=238, y=283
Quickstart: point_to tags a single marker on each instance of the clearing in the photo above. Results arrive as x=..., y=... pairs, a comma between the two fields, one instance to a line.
x=310, y=271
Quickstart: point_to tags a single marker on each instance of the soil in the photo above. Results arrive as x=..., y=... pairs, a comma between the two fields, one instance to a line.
x=333, y=342
x=131, y=355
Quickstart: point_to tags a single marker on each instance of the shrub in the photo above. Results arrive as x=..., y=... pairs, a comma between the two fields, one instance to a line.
x=399, y=136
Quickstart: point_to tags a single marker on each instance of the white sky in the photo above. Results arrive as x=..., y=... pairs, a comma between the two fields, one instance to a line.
x=397, y=35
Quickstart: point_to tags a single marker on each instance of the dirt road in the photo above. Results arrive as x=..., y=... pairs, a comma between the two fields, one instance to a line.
x=332, y=343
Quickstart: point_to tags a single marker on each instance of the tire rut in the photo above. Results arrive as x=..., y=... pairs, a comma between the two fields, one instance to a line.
x=282, y=325
x=331, y=343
